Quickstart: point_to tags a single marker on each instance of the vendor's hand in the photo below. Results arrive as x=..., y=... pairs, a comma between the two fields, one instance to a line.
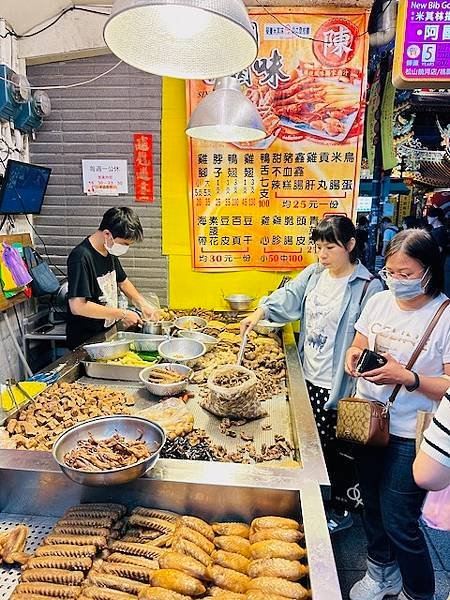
x=149, y=313
x=249, y=322
x=389, y=374
x=131, y=318
x=351, y=360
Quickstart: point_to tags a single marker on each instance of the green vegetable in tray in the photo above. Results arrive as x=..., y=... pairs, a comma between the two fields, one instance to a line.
x=150, y=357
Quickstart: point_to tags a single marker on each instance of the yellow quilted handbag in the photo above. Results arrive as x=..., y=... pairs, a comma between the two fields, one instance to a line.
x=363, y=422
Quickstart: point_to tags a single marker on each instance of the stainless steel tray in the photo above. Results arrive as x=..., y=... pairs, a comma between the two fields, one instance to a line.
x=130, y=335
x=44, y=490
x=277, y=408
x=39, y=527
x=302, y=427
x=98, y=370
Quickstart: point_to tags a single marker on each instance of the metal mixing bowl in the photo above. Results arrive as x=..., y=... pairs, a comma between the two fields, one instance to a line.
x=265, y=327
x=105, y=427
x=184, y=323
x=107, y=350
x=239, y=301
x=166, y=389
x=209, y=340
x=181, y=350
x=148, y=344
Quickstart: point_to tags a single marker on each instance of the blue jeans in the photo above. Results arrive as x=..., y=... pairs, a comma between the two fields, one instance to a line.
x=392, y=507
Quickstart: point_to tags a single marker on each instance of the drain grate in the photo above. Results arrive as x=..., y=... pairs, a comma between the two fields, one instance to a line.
x=39, y=527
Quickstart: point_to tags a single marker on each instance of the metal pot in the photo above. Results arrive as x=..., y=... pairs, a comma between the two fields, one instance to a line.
x=157, y=327
x=152, y=328
x=239, y=301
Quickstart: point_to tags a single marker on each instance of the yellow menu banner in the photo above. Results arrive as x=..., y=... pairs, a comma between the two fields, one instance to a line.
x=254, y=205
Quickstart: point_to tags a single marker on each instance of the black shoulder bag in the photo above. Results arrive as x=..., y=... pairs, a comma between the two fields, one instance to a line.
x=44, y=280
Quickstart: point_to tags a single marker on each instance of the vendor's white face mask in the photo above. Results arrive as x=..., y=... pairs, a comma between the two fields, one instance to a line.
x=116, y=249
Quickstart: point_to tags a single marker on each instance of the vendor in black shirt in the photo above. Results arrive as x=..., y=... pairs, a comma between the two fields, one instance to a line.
x=95, y=274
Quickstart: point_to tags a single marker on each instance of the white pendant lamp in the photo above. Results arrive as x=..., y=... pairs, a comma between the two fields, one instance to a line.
x=187, y=39
x=226, y=115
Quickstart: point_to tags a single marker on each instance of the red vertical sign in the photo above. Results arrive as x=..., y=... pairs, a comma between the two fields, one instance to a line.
x=143, y=167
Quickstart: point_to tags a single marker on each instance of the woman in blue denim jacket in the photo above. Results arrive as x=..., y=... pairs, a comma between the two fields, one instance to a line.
x=327, y=298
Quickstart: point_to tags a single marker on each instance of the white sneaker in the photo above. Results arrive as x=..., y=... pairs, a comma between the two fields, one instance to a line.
x=371, y=589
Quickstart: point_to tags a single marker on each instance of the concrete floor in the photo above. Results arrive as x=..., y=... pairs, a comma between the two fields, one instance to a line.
x=350, y=552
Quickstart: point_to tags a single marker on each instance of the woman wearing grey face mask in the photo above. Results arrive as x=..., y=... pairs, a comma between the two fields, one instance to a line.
x=392, y=323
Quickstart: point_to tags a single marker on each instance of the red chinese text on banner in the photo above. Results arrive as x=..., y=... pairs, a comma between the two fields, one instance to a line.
x=143, y=167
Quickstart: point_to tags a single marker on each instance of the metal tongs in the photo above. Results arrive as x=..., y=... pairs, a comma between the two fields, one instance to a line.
x=10, y=391
x=10, y=385
x=242, y=348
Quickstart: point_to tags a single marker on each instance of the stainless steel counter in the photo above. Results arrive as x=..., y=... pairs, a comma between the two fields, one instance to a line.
x=32, y=484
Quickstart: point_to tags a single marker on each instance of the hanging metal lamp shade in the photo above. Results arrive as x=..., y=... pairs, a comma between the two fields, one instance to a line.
x=187, y=39
x=226, y=115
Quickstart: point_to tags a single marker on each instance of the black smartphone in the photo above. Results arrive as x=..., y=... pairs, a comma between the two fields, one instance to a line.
x=370, y=360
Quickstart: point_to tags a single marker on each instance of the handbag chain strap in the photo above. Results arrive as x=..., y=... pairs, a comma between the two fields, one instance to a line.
x=420, y=346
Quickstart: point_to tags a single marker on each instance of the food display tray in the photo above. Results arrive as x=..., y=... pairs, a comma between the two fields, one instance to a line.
x=113, y=372
x=290, y=415
x=39, y=527
x=38, y=497
x=277, y=408
x=98, y=370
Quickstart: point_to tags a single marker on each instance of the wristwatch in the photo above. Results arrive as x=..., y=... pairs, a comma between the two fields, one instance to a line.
x=415, y=385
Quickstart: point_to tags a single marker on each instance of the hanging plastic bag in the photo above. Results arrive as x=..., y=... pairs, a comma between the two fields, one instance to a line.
x=151, y=299
x=16, y=269
x=436, y=509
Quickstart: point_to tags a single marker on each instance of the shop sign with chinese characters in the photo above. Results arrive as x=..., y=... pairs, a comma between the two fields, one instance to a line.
x=104, y=177
x=143, y=167
x=422, y=44
x=253, y=206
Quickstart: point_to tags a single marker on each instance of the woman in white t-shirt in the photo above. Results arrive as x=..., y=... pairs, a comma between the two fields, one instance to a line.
x=326, y=298
x=393, y=323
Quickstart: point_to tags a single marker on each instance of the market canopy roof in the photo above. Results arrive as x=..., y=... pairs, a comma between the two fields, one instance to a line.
x=435, y=173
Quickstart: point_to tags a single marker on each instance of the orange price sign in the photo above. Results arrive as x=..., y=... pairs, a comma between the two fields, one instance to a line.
x=254, y=205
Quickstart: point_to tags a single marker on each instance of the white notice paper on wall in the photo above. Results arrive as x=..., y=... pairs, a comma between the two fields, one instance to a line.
x=105, y=177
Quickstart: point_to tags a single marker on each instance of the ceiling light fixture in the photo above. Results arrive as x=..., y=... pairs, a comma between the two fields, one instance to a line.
x=187, y=39
x=226, y=115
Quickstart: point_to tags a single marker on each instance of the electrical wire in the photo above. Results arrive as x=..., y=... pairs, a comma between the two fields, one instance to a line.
x=302, y=37
x=34, y=228
x=69, y=85
x=43, y=243
x=79, y=83
x=12, y=33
